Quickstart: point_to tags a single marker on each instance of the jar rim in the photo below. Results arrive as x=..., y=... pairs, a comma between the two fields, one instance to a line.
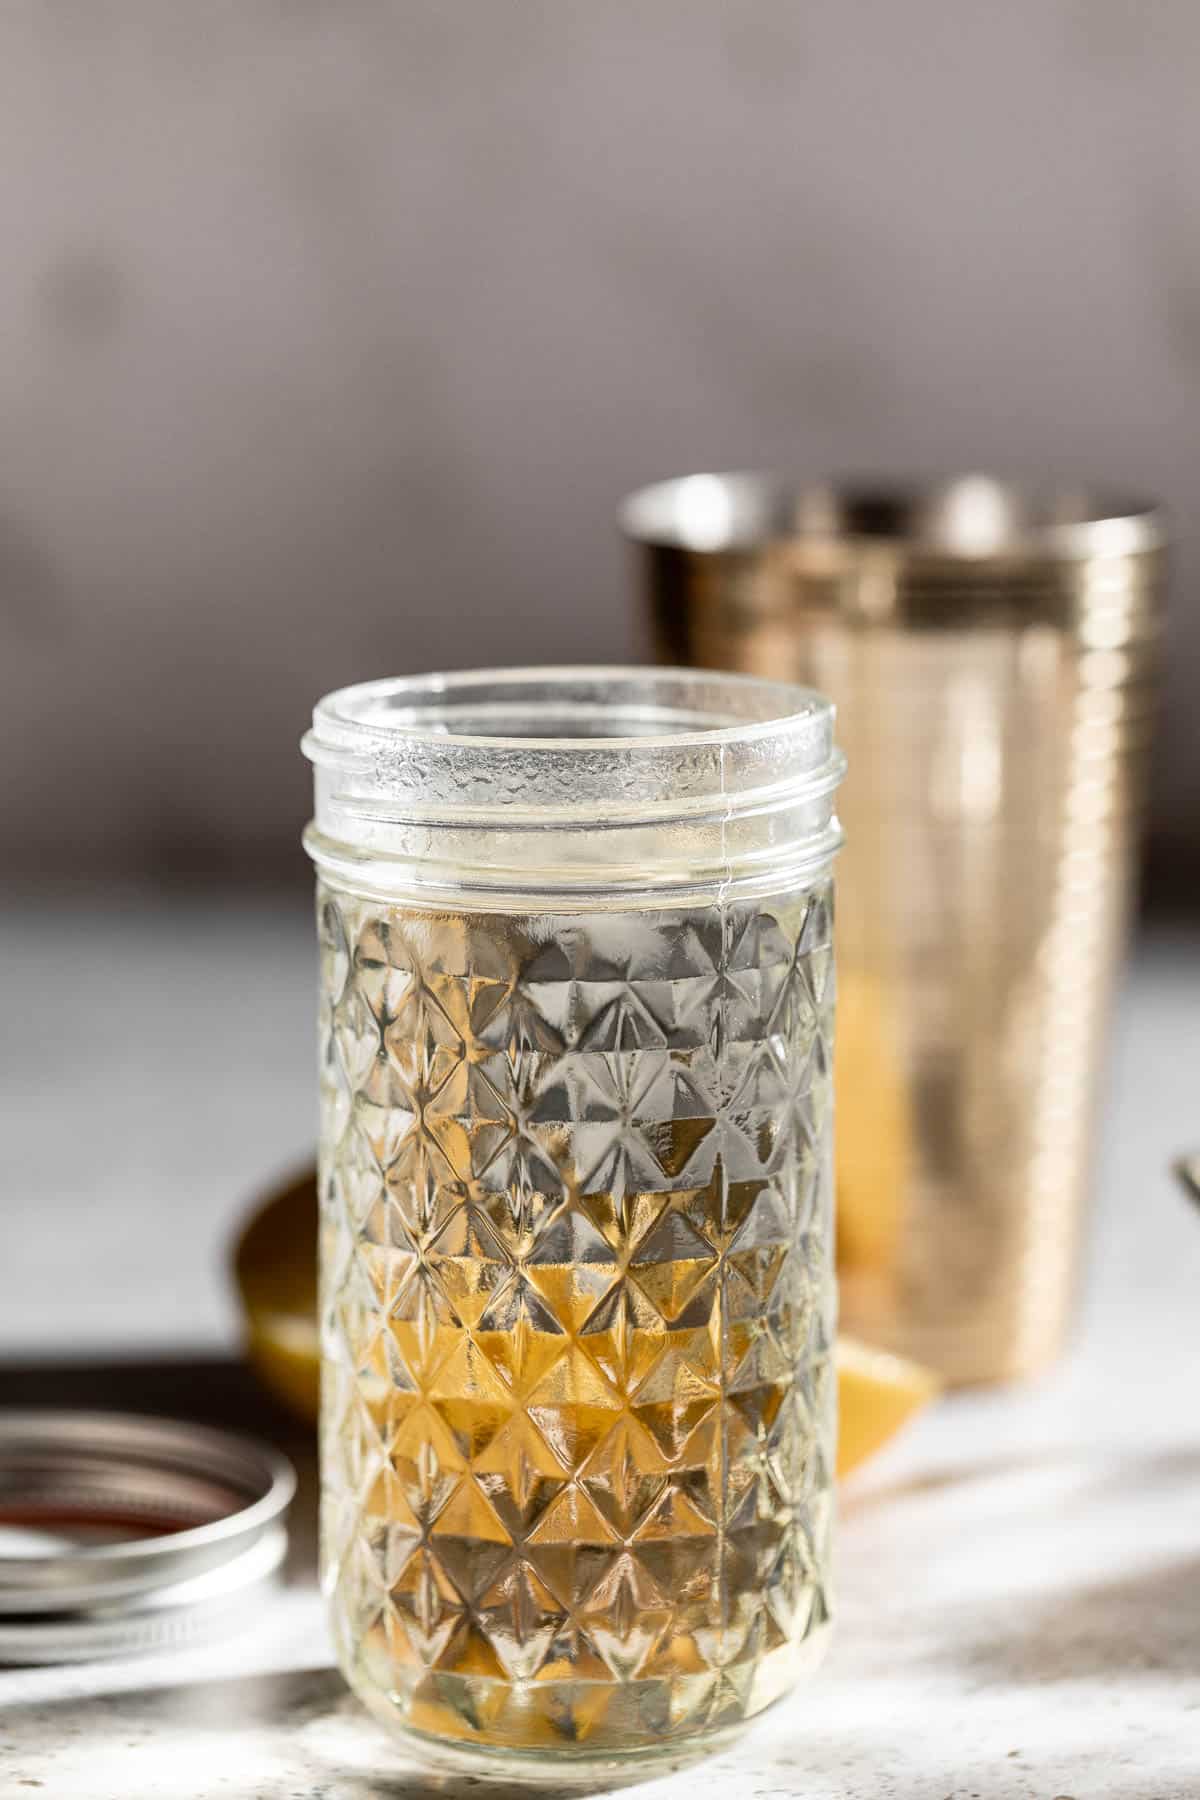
x=343, y=718
x=574, y=777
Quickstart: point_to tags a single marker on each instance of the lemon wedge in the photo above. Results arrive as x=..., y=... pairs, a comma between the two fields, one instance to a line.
x=276, y=1275
x=275, y=1269
x=877, y=1394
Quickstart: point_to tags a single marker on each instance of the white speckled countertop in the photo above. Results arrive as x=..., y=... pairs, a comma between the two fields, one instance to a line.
x=1019, y=1576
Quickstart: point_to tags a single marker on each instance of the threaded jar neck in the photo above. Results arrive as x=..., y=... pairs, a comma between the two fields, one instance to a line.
x=595, y=783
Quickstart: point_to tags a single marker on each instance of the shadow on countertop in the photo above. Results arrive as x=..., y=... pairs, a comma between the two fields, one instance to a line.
x=1119, y=1631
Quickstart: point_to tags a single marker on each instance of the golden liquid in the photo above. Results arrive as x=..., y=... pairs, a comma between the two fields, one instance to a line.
x=577, y=1317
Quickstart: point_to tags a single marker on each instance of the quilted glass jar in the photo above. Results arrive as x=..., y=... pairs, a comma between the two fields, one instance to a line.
x=576, y=1258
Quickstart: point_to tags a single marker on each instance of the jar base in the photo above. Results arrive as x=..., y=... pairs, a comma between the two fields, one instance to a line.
x=565, y=1770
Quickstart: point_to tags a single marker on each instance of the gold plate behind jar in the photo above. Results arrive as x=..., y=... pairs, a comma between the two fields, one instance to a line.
x=991, y=653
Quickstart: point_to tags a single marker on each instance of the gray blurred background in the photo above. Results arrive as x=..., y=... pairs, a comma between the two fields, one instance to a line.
x=330, y=334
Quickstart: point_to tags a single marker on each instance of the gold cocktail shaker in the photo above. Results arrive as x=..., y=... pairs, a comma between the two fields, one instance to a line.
x=991, y=652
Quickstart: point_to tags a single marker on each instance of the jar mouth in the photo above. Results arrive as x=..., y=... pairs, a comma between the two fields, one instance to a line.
x=560, y=778
x=578, y=744
x=563, y=710
x=961, y=518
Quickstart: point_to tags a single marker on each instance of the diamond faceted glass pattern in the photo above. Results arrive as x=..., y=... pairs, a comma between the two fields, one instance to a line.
x=577, y=1312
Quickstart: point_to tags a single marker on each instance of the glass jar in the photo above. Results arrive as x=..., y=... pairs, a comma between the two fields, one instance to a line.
x=576, y=1263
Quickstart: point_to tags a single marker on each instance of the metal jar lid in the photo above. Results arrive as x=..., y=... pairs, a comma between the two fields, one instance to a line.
x=120, y=1533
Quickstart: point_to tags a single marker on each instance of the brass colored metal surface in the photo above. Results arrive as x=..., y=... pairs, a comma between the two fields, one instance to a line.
x=992, y=657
